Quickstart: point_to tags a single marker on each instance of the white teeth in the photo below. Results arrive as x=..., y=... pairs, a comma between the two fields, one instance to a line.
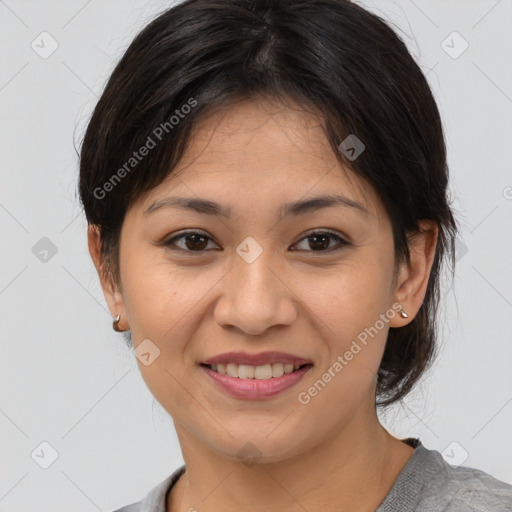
x=232, y=370
x=245, y=371
x=277, y=369
x=262, y=372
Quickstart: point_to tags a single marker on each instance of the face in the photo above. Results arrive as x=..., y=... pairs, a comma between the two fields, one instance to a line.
x=259, y=275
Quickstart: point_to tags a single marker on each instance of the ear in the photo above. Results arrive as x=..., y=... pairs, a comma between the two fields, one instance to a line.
x=413, y=277
x=111, y=290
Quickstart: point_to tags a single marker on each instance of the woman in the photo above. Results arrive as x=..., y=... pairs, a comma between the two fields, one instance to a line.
x=265, y=184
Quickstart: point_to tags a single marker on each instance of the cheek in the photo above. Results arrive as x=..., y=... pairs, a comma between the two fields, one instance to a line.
x=349, y=325
x=352, y=311
x=159, y=296
x=168, y=304
x=165, y=301
x=350, y=296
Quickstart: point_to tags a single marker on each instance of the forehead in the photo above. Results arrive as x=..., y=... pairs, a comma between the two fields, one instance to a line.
x=261, y=147
x=259, y=133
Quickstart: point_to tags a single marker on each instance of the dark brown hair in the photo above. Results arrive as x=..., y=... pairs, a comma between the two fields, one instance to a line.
x=329, y=56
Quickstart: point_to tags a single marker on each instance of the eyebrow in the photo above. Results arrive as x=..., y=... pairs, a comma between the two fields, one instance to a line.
x=296, y=208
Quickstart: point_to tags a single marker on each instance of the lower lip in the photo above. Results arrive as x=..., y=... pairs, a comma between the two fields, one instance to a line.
x=256, y=389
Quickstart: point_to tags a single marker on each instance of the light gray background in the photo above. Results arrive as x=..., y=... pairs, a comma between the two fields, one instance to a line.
x=66, y=378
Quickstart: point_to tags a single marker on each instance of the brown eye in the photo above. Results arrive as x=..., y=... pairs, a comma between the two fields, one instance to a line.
x=320, y=241
x=191, y=241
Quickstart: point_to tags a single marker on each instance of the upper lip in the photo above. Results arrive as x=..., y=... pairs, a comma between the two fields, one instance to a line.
x=257, y=359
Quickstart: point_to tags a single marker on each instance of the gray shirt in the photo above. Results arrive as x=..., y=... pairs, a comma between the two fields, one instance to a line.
x=427, y=483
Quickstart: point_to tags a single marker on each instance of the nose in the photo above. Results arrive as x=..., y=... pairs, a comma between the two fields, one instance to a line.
x=256, y=296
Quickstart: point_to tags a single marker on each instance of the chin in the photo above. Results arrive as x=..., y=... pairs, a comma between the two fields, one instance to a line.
x=259, y=448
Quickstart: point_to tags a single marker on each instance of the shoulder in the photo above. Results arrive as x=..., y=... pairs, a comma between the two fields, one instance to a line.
x=476, y=490
x=134, y=507
x=450, y=488
x=155, y=499
x=465, y=489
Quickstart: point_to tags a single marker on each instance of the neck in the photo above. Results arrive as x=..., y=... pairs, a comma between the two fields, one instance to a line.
x=354, y=469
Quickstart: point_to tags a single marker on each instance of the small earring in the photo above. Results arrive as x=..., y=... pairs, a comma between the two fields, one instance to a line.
x=115, y=323
x=403, y=314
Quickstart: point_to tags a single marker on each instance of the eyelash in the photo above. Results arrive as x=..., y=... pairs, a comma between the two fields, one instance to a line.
x=342, y=242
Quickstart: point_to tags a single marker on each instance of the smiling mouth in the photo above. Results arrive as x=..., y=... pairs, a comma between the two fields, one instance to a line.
x=261, y=372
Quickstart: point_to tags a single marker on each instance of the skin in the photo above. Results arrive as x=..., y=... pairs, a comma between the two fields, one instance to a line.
x=332, y=453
